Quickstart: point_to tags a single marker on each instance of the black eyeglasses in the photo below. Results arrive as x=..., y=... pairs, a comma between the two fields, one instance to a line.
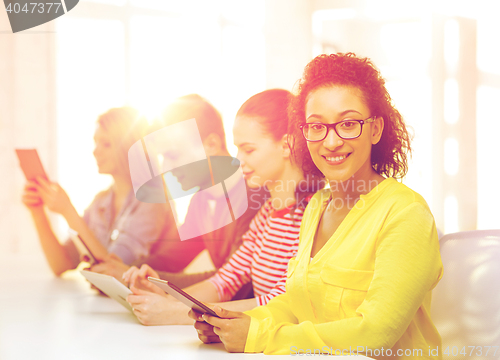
x=345, y=129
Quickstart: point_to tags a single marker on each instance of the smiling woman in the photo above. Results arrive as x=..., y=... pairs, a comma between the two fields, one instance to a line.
x=356, y=83
x=368, y=255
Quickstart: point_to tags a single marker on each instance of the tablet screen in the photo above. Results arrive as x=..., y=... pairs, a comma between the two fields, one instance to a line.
x=30, y=163
x=182, y=296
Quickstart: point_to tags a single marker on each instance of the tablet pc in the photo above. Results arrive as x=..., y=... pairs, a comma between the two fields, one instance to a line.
x=30, y=164
x=182, y=296
x=110, y=286
x=82, y=247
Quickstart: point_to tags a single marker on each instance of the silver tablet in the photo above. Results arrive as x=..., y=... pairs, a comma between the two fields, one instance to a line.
x=110, y=286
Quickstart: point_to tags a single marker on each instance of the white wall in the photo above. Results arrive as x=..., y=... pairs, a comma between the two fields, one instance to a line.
x=27, y=119
x=288, y=35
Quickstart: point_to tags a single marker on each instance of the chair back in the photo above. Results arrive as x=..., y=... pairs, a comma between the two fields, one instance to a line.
x=466, y=302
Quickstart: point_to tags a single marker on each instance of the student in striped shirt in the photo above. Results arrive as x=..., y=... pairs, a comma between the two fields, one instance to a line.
x=260, y=133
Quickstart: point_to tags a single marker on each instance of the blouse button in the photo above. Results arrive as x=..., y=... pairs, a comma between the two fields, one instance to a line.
x=114, y=234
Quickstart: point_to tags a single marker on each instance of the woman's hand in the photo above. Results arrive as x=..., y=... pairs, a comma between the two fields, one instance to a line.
x=139, y=279
x=231, y=328
x=205, y=330
x=151, y=308
x=31, y=198
x=113, y=266
x=54, y=197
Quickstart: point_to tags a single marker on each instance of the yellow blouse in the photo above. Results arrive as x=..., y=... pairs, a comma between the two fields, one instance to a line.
x=367, y=291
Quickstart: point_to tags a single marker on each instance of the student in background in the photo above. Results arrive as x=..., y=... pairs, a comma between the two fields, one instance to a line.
x=170, y=256
x=368, y=257
x=116, y=226
x=260, y=133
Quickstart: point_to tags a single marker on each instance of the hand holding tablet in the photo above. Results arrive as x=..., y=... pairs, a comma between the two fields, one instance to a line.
x=32, y=168
x=31, y=164
x=110, y=286
x=39, y=190
x=182, y=296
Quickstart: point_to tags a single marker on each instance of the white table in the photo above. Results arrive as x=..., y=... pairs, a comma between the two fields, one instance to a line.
x=45, y=317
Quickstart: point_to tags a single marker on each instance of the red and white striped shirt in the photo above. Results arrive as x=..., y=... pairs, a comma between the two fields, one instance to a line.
x=271, y=241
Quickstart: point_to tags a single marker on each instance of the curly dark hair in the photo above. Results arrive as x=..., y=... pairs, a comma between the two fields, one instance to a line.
x=389, y=157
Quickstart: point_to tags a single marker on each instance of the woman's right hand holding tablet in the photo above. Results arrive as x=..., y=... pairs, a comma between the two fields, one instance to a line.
x=54, y=197
x=205, y=330
x=155, y=309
